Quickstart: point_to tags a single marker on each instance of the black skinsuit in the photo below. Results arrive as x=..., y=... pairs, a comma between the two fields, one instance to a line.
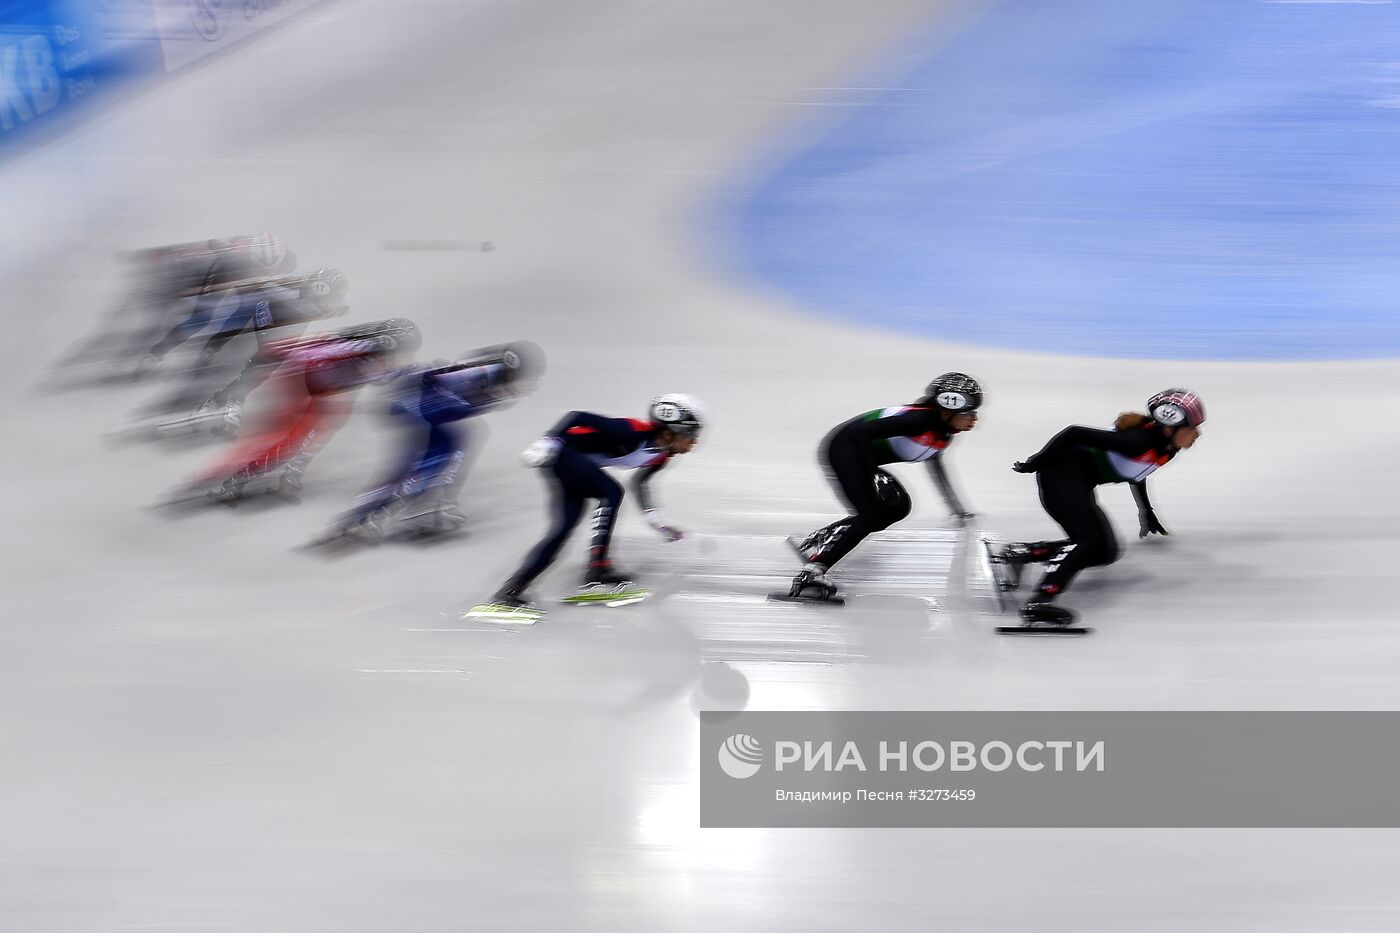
x=1068, y=470
x=852, y=455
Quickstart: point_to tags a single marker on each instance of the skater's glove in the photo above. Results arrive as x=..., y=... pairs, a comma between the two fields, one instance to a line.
x=1023, y=466
x=1148, y=524
x=666, y=531
x=542, y=452
x=669, y=533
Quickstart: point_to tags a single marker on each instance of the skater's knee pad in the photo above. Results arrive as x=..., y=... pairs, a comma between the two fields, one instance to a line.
x=895, y=504
x=1097, y=550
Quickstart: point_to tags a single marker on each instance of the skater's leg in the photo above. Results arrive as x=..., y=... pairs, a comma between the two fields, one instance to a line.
x=253, y=373
x=286, y=419
x=394, y=484
x=565, y=508
x=430, y=480
x=1068, y=497
x=430, y=490
x=326, y=415
x=297, y=432
x=876, y=498
x=194, y=322
x=609, y=496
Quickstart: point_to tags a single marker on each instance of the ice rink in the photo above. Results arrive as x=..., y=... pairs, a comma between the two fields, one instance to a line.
x=203, y=727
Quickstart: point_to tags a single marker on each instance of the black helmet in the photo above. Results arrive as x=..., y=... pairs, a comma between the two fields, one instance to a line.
x=521, y=360
x=395, y=335
x=327, y=288
x=954, y=392
x=400, y=336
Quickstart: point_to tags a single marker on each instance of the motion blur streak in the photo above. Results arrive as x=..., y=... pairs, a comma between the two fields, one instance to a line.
x=205, y=725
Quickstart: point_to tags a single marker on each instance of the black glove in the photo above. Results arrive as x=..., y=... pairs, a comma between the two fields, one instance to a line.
x=1023, y=466
x=1148, y=524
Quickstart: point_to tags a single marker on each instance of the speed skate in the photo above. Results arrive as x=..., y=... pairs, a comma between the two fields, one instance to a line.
x=1001, y=581
x=612, y=597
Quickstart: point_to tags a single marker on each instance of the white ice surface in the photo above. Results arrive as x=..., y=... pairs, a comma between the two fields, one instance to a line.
x=201, y=728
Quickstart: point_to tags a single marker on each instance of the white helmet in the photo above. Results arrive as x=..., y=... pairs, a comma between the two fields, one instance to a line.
x=682, y=413
x=269, y=255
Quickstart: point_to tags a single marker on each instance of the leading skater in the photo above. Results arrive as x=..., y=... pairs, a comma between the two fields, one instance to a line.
x=853, y=454
x=1068, y=470
x=574, y=453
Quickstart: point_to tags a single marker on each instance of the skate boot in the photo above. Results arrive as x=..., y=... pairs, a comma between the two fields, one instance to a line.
x=230, y=492
x=434, y=521
x=207, y=410
x=512, y=599
x=230, y=417
x=510, y=605
x=289, y=484
x=605, y=576
x=604, y=584
x=214, y=416
x=352, y=531
x=1046, y=614
x=812, y=583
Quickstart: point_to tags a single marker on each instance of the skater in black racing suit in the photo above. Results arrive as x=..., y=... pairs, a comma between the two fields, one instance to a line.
x=853, y=455
x=573, y=454
x=1068, y=470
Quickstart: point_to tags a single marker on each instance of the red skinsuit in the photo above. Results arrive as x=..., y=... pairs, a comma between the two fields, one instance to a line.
x=315, y=379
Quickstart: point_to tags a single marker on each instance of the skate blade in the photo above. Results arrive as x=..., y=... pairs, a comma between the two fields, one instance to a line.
x=337, y=546
x=809, y=600
x=185, y=501
x=1042, y=630
x=609, y=598
x=503, y=615
x=625, y=601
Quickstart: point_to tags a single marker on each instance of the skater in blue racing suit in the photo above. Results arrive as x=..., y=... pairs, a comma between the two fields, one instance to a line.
x=433, y=405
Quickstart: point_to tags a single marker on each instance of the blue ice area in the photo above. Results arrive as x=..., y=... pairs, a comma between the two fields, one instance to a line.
x=1193, y=179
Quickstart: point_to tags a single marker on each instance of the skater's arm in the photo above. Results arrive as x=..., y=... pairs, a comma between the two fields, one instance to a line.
x=912, y=423
x=239, y=314
x=438, y=405
x=1140, y=496
x=253, y=374
x=1130, y=443
x=945, y=486
x=641, y=486
x=1148, y=523
x=603, y=432
x=482, y=387
x=617, y=432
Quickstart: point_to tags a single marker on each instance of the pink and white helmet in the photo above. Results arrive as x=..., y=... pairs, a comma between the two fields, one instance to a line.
x=1173, y=407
